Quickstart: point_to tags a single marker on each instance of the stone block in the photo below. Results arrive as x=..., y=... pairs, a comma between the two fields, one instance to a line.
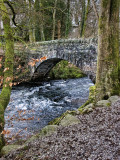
x=103, y=103
x=113, y=99
x=69, y=120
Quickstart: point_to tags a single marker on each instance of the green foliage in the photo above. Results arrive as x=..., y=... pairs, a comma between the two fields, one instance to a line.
x=65, y=70
x=47, y=13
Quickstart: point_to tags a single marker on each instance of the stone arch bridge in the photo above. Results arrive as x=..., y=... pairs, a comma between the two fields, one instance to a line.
x=80, y=52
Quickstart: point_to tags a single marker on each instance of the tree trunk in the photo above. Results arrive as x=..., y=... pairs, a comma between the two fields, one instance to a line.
x=107, y=82
x=59, y=29
x=42, y=32
x=68, y=19
x=8, y=72
x=86, y=15
x=82, y=19
x=31, y=26
x=54, y=14
x=37, y=20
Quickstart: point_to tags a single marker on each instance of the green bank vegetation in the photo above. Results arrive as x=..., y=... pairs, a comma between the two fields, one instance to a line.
x=65, y=70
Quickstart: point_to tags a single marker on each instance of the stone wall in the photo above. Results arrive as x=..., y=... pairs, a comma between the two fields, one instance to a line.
x=80, y=52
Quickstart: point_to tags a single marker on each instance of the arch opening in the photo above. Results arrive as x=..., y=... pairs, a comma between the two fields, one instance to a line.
x=56, y=68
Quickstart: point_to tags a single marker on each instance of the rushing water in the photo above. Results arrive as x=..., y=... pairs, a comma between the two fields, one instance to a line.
x=31, y=108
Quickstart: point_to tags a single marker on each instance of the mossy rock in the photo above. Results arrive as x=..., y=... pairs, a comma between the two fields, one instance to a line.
x=47, y=130
x=88, y=108
x=69, y=120
x=103, y=103
x=7, y=149
x=34, y=137
x=65, y=70
x=113, y=99
x=57, y=121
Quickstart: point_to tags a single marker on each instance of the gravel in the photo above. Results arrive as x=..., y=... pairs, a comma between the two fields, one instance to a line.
x=96, y=137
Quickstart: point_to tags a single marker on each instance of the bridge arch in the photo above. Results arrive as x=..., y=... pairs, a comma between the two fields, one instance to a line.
x=44, y=68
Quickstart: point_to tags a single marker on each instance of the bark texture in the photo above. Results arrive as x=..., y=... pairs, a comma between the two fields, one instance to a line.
x=31, y=25
x=68, y=19
x=54, y=20
x=8, y=72
x=107, y=82
x=82, y=19
x=86, y=15
x=59, y=29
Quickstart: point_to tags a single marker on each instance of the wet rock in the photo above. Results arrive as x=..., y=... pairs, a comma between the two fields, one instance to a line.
x=69, y=120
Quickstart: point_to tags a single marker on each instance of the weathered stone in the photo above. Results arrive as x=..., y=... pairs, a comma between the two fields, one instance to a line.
x=47, y=130
x=87, y=109
x=113, y=99
x=69, y=120
x=103, y=103
x=7, y=149
x=80, y=52
x=32, y=138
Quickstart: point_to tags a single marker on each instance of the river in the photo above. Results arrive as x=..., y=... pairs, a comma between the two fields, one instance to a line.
x=31, y=108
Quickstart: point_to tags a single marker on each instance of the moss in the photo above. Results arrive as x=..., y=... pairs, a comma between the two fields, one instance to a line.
x=85, y=104
x=65, y=70
x=69, y=120
x=25, y=148
x=107, y=82
x=119, y=69
x=57, y=121
x=92, y=90
x=9, y=55
x=32, y=138
x=91, y=100
x=108, y=104
x=5, y=97
x=2, y=143
x=104, y=3
x=86, y=109
x=7, y=149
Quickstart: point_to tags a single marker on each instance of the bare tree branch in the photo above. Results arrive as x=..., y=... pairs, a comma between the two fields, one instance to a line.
x=95, y=9
x=13, y=12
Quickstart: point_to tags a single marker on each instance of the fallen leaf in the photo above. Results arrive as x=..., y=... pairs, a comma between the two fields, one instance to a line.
x=6, y=69
x=5, y=132
x=10, y=84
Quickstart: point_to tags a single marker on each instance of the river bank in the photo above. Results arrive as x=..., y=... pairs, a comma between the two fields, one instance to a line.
x=92, y=136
